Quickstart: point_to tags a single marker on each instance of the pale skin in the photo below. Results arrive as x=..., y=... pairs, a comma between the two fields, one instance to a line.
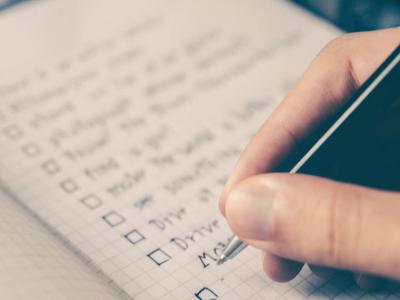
x=297, y=219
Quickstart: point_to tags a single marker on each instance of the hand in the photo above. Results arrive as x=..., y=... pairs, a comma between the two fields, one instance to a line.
x=296, y=219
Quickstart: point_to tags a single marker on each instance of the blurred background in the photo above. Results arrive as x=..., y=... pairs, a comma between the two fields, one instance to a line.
x=356, y=15
x=349, y=15
x=6, y=3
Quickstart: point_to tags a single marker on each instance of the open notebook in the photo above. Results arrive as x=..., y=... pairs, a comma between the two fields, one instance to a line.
x=119, y=124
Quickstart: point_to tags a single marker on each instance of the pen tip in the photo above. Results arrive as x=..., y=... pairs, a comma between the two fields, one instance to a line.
x=221, y=260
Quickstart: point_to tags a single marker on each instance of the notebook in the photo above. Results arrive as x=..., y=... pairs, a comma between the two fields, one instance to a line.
x=119, y=124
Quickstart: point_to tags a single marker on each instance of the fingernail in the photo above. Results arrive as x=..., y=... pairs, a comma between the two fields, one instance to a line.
x=221, y=203
x=248, y=209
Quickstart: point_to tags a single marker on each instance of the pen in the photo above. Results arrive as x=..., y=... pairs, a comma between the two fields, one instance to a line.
x=345, y=148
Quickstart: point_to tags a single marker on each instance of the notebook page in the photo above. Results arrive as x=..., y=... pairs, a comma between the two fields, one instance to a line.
x=36, y=265
x=121, y=121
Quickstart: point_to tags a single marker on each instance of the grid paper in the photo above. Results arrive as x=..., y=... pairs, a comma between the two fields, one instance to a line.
x=122, y=140
x=35, y=265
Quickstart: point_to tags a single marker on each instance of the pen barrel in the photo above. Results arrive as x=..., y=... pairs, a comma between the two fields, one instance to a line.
x=234, y=247
x=362, y=144
x=355, y=146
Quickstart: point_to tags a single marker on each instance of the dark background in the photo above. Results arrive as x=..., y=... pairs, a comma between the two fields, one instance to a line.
x=349, y=15
x=356, y=15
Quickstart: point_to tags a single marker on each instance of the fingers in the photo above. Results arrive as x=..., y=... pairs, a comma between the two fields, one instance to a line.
x=280, y=269
x=334, y=74
x=317, y=94
x=318, y=221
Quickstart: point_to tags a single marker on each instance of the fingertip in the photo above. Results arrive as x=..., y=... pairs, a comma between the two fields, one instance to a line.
x=280, y=269
x=248, y=209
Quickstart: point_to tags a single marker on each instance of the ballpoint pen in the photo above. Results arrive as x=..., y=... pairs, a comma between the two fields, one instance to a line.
x=344, y=148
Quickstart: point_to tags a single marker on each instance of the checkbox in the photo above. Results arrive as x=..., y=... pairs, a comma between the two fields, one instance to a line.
x=13, y=132
x=159, y=256
x=113, y=219
x=206, y=293
x=51, y=167
x=69, y=186
x=91, y=201
x=134, y=236
x=31, y=150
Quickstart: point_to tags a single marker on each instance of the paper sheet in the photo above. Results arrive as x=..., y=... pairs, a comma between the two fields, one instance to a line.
x=37, y=265
x=122, y=119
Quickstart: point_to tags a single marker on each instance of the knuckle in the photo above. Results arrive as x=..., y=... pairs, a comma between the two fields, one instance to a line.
x=338, y=47
x=343, y=228
x=336, y=43
x=331, y=254
x=280, y=208
x=275, y=225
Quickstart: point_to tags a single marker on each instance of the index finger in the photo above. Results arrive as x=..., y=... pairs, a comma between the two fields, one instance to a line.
x=333, y=76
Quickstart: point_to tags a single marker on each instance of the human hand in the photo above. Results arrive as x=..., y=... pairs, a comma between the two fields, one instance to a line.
x=296, y=219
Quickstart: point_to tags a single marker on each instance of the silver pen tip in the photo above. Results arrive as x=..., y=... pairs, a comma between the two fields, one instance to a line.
x=222, y=259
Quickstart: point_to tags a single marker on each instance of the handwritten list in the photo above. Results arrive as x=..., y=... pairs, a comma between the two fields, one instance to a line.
x=123, y=145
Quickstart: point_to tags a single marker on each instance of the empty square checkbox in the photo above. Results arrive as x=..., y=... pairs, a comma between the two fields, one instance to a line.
x=159, y=256
x=51, y=167
x=206, y=293
x=134, y=236
x=113, y=218
x=13, y=132
x=31, y=150
x=69, y=186
x=91, y=201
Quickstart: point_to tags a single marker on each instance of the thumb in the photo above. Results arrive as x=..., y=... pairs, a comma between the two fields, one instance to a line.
x=319, y=221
